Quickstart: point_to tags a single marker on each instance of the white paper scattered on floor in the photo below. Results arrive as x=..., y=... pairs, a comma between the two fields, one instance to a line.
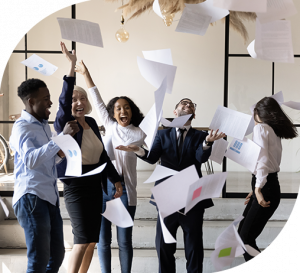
x=171, y=194
x=40, y=65
x=273, y=42
x=230, y=122
x=276, y=10
x=92, y=172
x=155, y=72
x=242, y=5
x=168, y=238
x=117, y=213
x=292, y=104
x=80, y=31
x=244, y=152
x=5, y=209
x=156, y=8
x=176, y=122
x=208, y=8
x=194, y=22
x=206, y=187
x=218, y=150
x=160, y=172
x=161, y=56
x=72, y=152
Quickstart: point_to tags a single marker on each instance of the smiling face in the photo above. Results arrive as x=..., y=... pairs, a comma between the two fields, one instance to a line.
x=185, y=107
x=41, y=103
x=79, y=104
x=122, y=112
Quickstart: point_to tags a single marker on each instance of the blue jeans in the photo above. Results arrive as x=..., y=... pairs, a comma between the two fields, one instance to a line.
x=43, y=229
x=124, y=235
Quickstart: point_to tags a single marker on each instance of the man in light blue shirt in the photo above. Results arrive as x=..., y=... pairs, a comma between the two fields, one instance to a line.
x=36, y=198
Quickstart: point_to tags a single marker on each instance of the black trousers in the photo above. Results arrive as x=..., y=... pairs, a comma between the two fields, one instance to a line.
x=256, y=216
x=191, y=224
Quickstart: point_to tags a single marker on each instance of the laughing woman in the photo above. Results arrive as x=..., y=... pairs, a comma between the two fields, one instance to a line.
x=271, y=125
x=83, y=196
x=121, y=118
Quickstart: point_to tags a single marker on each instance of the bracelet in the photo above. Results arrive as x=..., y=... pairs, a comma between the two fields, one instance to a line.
x=209, y=144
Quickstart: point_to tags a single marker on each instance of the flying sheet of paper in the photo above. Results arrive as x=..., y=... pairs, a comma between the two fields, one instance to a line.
x=5, y=209
x=72, y=152
x=156, y=8
x=155, y=72
x=176, y=122
x=92, y=172
x=273, y=42
x=161, y=56
x=230, y=122
x=168, y=238
x=218, y=150
x=40, y=65
x=208, y=8
x=81, y=31
x=250, y=127
x=278, y=97
x=170, y=195
x=194, y=22
x=117, y=213
x=276, y=10
x=292, y=104
x=206, y=187
x=244, y=152
x=160, y=172
x=242, y=5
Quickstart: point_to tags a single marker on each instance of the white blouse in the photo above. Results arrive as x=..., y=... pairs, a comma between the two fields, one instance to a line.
x=270, y=155
x=124, y=162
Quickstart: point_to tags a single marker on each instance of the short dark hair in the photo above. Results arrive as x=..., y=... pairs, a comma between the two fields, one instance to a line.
x=29, y=88
x=137, y=115
x=181, y=101
x=270, y=112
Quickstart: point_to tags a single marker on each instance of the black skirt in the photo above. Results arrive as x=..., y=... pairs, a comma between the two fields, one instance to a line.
x=83, y=199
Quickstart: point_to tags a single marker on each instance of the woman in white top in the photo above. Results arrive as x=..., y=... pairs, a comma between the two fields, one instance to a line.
x=121, y=118
x=271, y=125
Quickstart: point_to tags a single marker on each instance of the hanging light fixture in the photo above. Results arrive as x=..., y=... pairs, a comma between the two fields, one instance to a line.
x=167, y=18
x=122, y=35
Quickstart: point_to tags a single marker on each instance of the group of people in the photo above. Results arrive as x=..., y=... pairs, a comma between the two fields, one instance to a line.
x=39, y=161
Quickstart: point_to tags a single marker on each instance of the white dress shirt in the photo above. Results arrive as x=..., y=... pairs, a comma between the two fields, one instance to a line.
x=125, y=162
x=270, y=155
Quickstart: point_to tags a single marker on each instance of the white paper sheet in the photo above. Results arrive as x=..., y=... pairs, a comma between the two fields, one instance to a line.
x=250, y=127
x=218, y=150
x=5, y=209
x=206, y=187
x=40, y=65
x=276, y=10
x=117, y=213
x=159, y=173
x=81, y=31
x=194, y=22
x=155, y=72
x=72, y=152
x=230, y=122
x=92, y=172
x=252, y=251
x=161, y=56
x=292, y=104
x=156, y=8
x=244, y=152
x=168, y=238
x=242, y=5
x=176, y=122
x=273, y=42
x=208, y=8
x=170, y=195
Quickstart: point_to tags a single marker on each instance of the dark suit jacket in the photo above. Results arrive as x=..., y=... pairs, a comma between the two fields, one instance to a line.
x=165, y=148
x=64, y=115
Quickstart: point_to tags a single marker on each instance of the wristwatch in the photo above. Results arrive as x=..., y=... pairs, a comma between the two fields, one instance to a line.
x=209, y=144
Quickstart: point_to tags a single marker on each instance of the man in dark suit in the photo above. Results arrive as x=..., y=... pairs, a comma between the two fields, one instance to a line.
x=179, y=148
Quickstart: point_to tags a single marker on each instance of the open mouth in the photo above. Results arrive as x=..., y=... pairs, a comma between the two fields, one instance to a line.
x=48, y=111
x=124, y=119
x=79, y=110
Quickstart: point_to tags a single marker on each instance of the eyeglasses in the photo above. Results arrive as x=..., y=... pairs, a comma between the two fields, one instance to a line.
x=185, y=103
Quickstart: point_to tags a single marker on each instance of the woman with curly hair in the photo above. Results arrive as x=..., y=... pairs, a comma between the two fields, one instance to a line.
x=271, y=125
x=121, y=118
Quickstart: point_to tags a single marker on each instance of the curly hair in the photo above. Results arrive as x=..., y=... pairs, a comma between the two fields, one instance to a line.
x=29, y=88
x=137, y=115
x=270, y=112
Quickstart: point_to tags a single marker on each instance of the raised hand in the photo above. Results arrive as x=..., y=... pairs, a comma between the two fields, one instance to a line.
x=214, y=136
x=71, y=128
x=81, y=68
x=70, y=57
x=129, y=148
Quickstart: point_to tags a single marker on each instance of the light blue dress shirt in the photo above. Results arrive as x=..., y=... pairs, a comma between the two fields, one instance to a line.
x=35, y=156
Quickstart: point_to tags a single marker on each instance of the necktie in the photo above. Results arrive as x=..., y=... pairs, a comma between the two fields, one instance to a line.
x=180, y=142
